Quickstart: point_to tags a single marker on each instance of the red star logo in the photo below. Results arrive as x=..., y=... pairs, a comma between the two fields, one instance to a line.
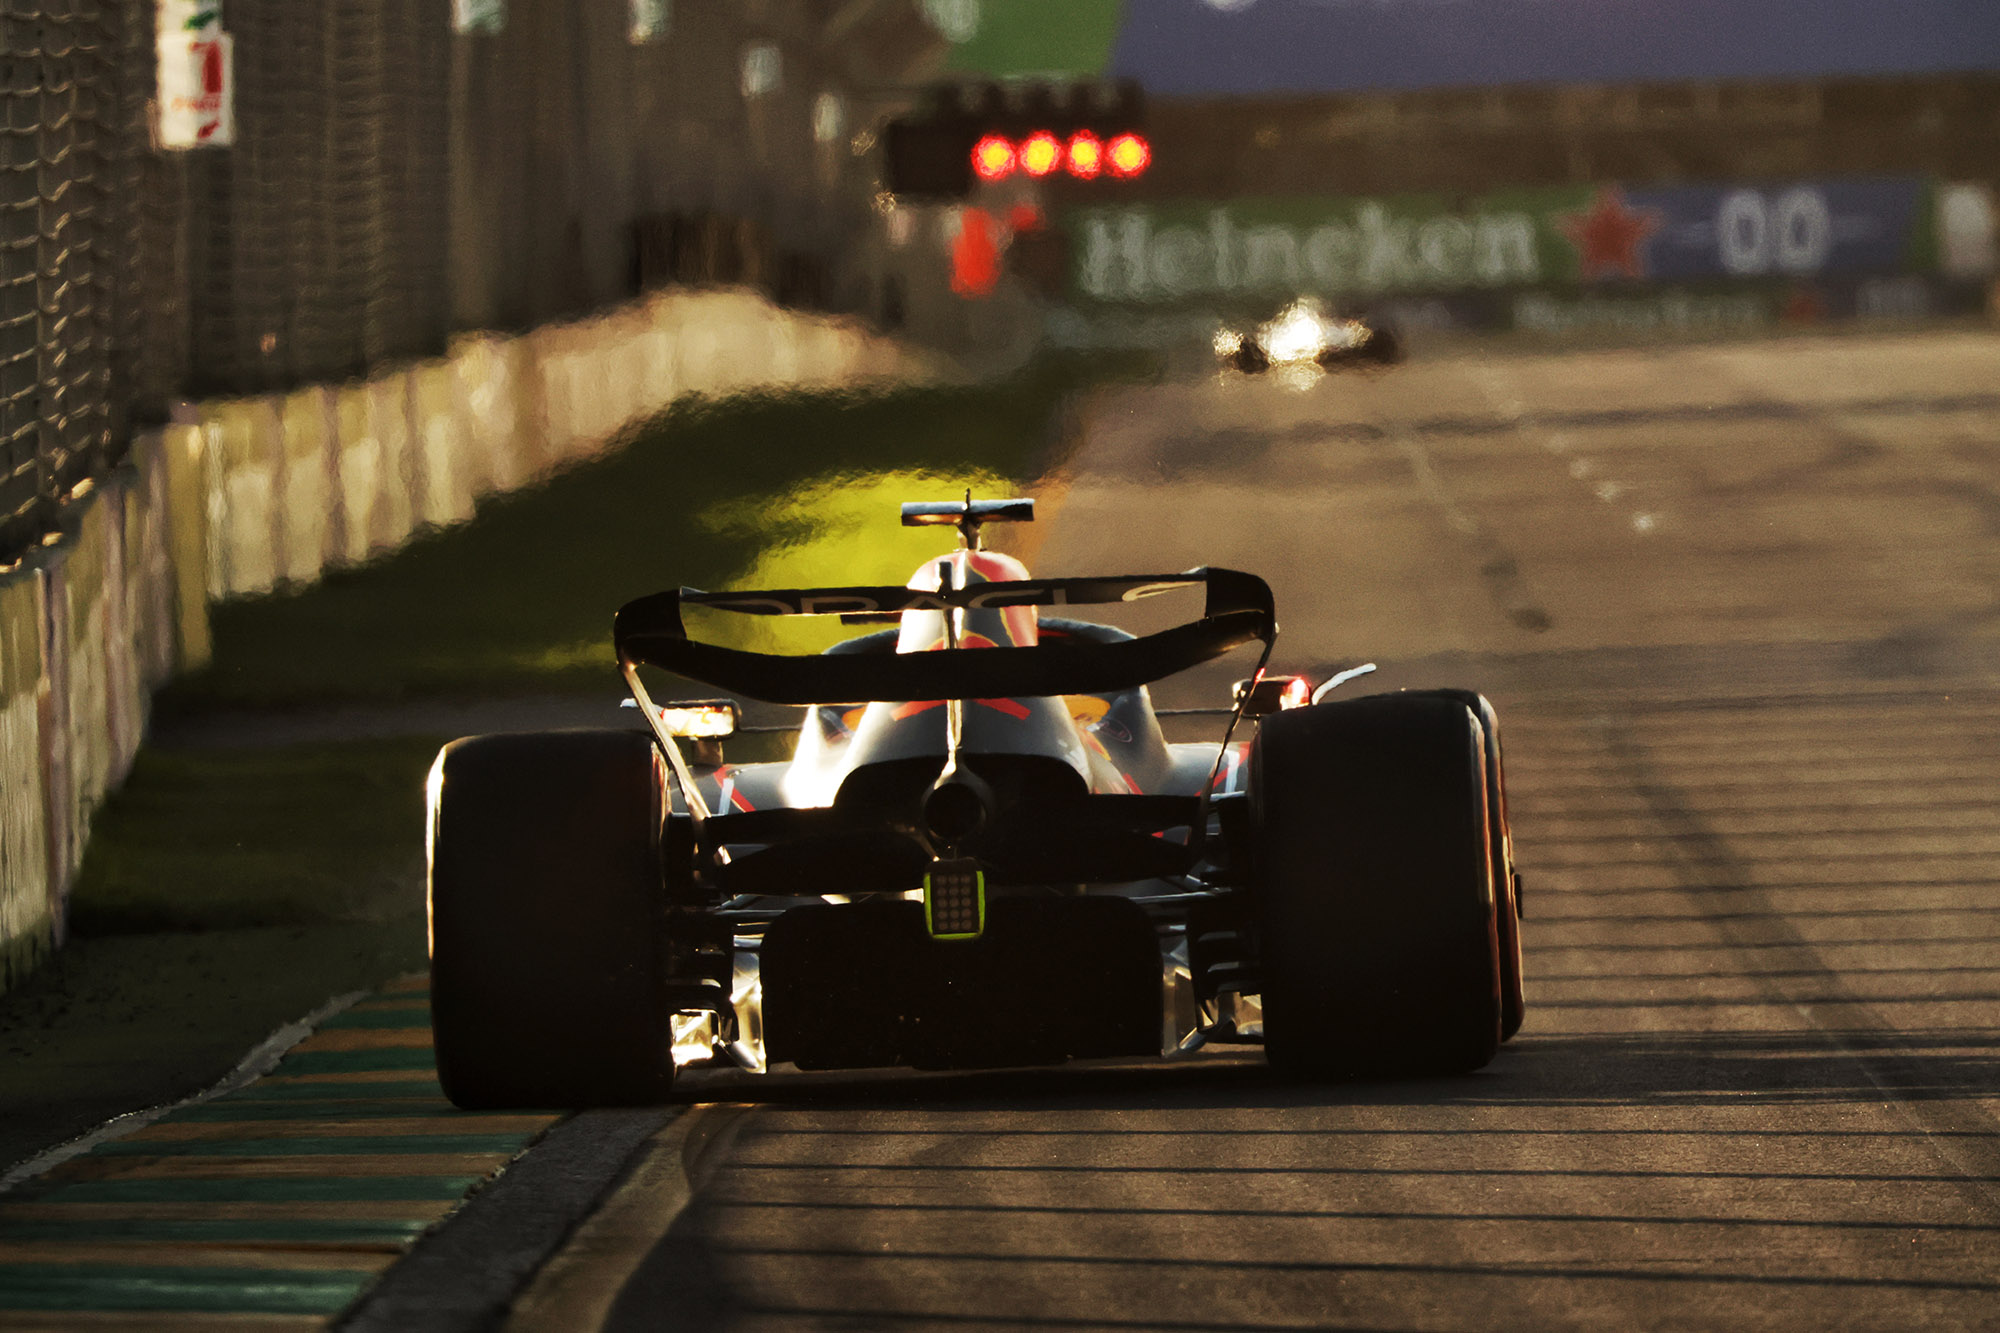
x=1608, y=237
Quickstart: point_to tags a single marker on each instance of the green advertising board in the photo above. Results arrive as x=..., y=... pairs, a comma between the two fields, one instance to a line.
x=1005, y=39
x=1179, y=252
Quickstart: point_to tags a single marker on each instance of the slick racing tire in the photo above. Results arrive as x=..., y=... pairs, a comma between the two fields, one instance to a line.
x=1377, y=928
x=548, y=914
x=1506, y=882
x=1384, y=347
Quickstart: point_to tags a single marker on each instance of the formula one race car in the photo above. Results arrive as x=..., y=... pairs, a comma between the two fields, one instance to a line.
x=983, y=853
x=1304, y=334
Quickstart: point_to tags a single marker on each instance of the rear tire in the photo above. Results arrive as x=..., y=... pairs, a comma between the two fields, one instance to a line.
x=548, y=915
x=1374, y=888
x=1500, y=837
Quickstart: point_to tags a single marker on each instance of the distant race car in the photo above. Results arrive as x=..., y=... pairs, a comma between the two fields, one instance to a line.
x=1304, y=334
x=983, y=853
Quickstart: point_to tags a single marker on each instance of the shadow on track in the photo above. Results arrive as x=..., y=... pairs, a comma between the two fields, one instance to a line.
x=1639, y=1070
x=890, y=1198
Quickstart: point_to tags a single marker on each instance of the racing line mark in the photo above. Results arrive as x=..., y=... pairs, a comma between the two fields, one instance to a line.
x=1497, y=565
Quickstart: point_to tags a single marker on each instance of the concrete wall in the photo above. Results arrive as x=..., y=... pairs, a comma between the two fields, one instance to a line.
x=257, y=492
x=89, y=627
x=296, y=482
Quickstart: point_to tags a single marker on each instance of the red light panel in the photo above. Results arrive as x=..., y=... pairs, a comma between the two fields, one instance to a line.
x=1086, y=155
x=1129, y=154
x=992, y=158
x=1041, y=153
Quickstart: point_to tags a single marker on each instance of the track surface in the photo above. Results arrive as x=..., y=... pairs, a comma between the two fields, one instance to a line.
x=1739, y=606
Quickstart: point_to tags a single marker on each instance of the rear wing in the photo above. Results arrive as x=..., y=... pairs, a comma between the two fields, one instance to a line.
x=650, y=632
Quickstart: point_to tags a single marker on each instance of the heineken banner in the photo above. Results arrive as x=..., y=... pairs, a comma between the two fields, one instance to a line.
x=1189, y=252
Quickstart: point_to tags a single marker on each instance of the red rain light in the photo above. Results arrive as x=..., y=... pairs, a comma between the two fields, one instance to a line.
x=1086, y=155
x=1130, y=154
x=1041, y=153
x=1298, y=693
x=993, y=158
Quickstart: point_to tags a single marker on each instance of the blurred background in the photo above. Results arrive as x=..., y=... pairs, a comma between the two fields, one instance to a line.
x=1631, y=361
x=359, y=357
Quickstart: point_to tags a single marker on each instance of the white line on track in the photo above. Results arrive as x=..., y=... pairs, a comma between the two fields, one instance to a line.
x=1608, y=490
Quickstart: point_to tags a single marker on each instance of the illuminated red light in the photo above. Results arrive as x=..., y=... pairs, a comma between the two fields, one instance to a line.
x=1086, y=155
x=992, y=158
x=1041, y=153
x=975, y=256
x=1129, y=154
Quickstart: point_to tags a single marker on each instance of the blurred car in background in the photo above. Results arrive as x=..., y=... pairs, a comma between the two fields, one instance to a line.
x=1305, y=334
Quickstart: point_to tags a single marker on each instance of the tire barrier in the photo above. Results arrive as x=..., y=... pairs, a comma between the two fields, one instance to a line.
x=257, y=494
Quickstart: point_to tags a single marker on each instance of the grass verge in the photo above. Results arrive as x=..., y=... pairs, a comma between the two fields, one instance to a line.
x=520, y=599
x=210, y=839
x=225, y=892
x=122, y=1022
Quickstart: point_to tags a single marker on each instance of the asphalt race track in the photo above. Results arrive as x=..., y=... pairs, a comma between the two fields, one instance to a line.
x=1739, y=606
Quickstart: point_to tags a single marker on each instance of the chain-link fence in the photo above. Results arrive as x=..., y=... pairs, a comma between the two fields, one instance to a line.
x=74, y=82
x=317, y=242
x=394, y=179
x=601, y=148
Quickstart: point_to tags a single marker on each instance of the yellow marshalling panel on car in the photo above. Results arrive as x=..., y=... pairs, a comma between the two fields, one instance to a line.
x=955, y=900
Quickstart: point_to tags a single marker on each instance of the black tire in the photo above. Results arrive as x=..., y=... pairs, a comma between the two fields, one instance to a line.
x=1506, y=884
x=1375, y=897
x=1384, y=346
x=548, y=915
